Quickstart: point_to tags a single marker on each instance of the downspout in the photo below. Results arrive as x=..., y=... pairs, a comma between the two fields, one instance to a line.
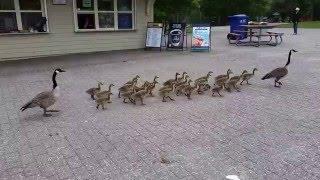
x=149, y=7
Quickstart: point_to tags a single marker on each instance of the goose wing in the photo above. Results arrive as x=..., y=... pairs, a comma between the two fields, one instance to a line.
x=220, y=76
x=279, y=72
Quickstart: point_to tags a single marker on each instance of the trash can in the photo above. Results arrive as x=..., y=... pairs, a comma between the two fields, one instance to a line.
x=235, y=22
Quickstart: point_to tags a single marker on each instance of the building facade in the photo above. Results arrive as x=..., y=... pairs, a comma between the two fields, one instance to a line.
x=36, y=28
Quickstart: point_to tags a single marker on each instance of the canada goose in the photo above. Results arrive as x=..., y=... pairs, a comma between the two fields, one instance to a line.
x=279, y=73
x=106, y=93
x=46, y=99
x=127, y=95
x=181, y=87
x=178, y=84
x=183, y=76
x=145, y=84
x=222, y=79
x=103, y=100
x=234, y=80
x=248, y=76
x=189, y=90
x=152, y=86
x=221, y=82
x=202, y=86
x=135, y=79
x=93, y=91
x=204, y=78
x=216, y=89
x=165, y=91
x=224, y=75
x=170, y=81
x=139, y=95
x=127, y=87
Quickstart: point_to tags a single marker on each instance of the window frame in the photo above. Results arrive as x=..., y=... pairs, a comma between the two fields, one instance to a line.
x=96, y=13
x=18, y=13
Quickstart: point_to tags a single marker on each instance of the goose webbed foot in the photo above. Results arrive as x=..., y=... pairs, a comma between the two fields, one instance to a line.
x=119, y=95
x=47, y=115
x=171, y=98
x=53, y=110
x=164, y=99
x=142, y=103
x=189, y=96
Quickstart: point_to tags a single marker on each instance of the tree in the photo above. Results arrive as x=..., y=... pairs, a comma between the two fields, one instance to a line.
x=219, y=10
x=173, y=10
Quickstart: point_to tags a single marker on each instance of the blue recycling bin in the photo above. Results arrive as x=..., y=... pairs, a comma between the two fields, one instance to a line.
x=235, y=24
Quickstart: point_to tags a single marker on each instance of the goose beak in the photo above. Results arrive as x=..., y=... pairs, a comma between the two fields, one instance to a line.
x=61, y=70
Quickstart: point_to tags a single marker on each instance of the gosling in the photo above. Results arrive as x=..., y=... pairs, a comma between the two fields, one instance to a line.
x=216, y=89
x=93, y=91
x=247, y=76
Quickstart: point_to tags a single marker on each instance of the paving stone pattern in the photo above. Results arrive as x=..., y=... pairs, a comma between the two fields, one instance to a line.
x=260, y=133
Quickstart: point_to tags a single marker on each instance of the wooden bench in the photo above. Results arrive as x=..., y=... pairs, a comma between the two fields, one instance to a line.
x=277, y=35
x=271, y=35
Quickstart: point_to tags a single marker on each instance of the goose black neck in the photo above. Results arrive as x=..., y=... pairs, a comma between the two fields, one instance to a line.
x=54, y=80
x=289, y=58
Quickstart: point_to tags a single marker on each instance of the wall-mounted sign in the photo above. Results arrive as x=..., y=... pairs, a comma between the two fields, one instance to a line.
x=201, y=37
x=176, y=35
x=59, y=2
x=154, y=35
x=86, y=3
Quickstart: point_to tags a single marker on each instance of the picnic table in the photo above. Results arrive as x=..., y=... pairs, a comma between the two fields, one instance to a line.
x=259, y=34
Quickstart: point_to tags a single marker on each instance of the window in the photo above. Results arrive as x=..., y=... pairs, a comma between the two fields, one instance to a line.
x=104, y=15
x=23, y=16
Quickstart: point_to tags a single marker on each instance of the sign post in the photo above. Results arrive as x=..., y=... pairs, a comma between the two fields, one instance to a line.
x=201, y=37
x=176, y=36
x=154, y=35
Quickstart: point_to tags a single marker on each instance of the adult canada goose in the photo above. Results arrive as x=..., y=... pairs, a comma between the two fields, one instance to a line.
x=170, y=81
x=93, y=91
x=247, y=76
x=279, y=73
x=46, y=99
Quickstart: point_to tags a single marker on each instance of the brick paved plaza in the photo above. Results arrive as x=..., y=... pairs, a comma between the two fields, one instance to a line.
x=260, y=133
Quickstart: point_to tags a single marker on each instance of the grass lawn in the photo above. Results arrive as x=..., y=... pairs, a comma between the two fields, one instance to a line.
x=306, y=24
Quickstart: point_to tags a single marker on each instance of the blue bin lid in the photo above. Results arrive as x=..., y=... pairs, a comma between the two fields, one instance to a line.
x=238, y=15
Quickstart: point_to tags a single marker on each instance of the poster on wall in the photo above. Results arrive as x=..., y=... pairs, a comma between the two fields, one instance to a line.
x=59, y=2
x=86, y=3
x=176, y=35
x=201, y=37
x=154, y=35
